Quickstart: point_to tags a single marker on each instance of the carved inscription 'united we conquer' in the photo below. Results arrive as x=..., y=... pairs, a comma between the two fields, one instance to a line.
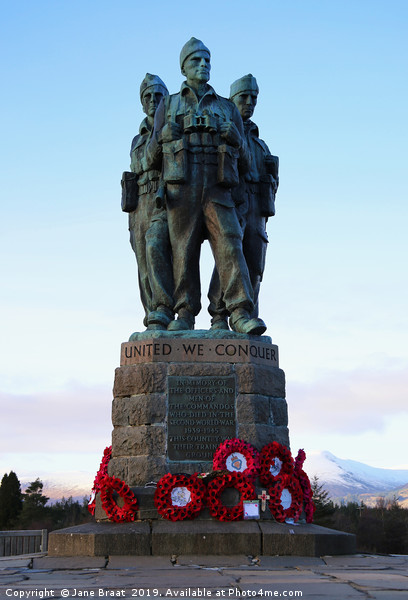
x=201, y=415
x=199, y=350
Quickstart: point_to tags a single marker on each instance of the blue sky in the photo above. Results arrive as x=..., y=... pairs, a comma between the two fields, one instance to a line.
x=332, y=104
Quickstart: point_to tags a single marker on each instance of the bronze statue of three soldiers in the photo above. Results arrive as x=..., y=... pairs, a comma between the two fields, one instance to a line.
x=199, y=171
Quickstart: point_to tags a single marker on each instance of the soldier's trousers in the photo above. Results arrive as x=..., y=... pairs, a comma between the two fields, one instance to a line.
x=254, y=245
x=196, y=212
x=149, y=237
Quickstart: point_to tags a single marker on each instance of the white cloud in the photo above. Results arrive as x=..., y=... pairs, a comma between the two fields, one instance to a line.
x=350, y=402
x=77, y=418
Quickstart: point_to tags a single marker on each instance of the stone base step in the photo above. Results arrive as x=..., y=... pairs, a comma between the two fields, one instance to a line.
x=161, y=538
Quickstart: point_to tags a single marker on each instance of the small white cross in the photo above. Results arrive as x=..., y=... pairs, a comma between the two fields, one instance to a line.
x=263, y=497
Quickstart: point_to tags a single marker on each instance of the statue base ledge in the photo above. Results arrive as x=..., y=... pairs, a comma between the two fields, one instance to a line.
x=206, y=334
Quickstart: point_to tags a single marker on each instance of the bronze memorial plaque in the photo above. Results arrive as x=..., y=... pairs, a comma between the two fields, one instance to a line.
x=201, y=415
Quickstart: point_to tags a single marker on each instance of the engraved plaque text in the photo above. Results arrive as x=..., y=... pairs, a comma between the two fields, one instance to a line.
x=201, y=415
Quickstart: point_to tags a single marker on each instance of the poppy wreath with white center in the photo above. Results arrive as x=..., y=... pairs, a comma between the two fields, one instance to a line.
x=276, y=461
x=230, y=447
x=165, y=504
x=290, y=485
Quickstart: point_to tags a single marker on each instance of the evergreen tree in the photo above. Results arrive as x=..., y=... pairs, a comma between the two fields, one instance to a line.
x=10, y=500
x=324, y=506
x=65, y=513
x=395, y=538
x=34, y=509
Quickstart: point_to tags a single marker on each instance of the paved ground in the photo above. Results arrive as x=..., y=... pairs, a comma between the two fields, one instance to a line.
x=330, y=577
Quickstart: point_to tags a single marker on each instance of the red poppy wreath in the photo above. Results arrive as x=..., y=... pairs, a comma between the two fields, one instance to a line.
x=215, y=488
x=276, y=461
x=286, y=499
x=179, y=497
x=101, y=474
x=308, y=504
x=237, y=456
x=116, y=513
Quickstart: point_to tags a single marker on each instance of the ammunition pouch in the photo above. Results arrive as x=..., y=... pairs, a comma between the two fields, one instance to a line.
x=272, y=165
x=228, y=166
x=267, y=187
x=175, y=161
x=129, y=191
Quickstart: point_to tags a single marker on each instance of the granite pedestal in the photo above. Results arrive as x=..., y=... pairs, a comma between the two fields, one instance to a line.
x=178, y=395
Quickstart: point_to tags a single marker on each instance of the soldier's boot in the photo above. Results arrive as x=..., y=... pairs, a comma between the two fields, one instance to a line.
x=241, y=322
x=220, y=322
x=184, y=321
x=159, y=319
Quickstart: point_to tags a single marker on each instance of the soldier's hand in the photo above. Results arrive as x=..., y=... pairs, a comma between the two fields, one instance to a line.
x=230, y=133
x=171, y=131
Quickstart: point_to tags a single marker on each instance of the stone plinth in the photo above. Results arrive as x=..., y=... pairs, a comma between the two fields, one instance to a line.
x=178, y=395
x=199, y=537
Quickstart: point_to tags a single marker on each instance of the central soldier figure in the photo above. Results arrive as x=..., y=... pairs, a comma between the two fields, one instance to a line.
x=198, y=141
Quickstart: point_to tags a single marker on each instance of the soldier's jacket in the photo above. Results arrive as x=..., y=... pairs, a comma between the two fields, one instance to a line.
x=259, y=179
x=148, y=178
x=201, y=144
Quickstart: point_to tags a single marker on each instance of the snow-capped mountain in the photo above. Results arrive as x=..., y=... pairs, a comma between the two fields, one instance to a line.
x=349, y=478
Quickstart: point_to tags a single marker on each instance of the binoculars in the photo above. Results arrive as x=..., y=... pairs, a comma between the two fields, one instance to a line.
x=204, y=122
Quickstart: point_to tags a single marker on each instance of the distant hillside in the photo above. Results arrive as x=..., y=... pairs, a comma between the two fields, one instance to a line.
x=63, y=485
x=400, y=494
x=349, y=480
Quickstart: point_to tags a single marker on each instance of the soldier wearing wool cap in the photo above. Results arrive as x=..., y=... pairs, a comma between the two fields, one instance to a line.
x=193, y=45
x=247, y=83
x=149, y=235
x=199, y=143
x=256, y=200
